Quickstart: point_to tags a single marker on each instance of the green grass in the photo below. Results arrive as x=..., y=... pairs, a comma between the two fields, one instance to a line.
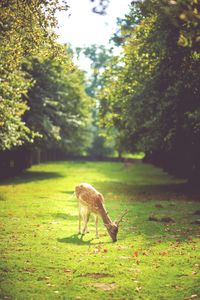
x=139, y=155
x=42, y=257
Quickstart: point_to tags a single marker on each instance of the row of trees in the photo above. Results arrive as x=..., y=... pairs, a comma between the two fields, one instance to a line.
x=151, y=92
x=43, y=104
x=99, y=57
x=146, y=99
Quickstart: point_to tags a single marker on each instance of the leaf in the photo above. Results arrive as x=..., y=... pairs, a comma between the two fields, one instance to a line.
x=68, y=271
x=135, y=254
x=97, y=249
x=163, y=253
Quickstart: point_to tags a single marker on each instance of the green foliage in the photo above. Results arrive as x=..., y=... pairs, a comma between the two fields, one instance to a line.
x=25, y=28
x=58, y=105
x=43, y=257
x=100, y=57
x=153, y=96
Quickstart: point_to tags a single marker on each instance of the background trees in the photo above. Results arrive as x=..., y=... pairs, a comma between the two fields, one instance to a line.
x=99, y=56
x=147, y=97
x=43, y=104
x=155, y=103
x=25, y=28
x=58, y=105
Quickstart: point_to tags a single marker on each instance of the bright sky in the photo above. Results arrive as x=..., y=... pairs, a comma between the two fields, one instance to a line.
x=80, y=27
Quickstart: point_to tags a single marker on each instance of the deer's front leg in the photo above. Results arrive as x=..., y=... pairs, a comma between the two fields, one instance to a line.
x=96, y=224
x=79, y=219
x=79, y=223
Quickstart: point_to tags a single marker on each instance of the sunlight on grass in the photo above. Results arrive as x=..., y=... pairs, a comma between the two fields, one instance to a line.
x=42, y=257
x=139, y=155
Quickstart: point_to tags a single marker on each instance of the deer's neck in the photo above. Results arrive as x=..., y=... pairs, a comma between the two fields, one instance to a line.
x=105, y=217
x=111, y=227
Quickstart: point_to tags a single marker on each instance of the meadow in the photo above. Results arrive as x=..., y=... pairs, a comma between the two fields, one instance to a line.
x=43, y=257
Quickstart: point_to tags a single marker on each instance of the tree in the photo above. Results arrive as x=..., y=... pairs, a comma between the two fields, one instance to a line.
x=100, y=57
x=156, y=91
x=25, y=28
x=58, y=105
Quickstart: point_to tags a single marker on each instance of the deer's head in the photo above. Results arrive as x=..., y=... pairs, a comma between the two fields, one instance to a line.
x=112, y=230
x=114, y=226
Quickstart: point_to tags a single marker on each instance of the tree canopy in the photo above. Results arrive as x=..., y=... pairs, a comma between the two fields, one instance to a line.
x=145, y=99
x=26, y=28
x=152, y=96
x=42, y=97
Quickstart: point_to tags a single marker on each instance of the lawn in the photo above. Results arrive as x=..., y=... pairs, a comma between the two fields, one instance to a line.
x=42, y=257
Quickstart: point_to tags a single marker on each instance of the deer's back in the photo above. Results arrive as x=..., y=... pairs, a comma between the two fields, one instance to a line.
x=89, y=196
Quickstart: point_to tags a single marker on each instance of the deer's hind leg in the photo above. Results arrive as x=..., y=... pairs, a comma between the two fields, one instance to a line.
x=86, y=216
x=79, y=217
x=82, y=218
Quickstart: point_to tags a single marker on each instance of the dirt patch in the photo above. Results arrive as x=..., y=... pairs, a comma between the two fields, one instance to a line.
x=197, y=222
x=151, y=218
x=167, y=220
x=159, y=205
x=197, y=213
x=162, y=220
x=96, y=275
x=104, y=286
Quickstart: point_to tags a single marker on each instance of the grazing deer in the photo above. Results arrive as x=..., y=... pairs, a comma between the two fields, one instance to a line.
x=91, y=201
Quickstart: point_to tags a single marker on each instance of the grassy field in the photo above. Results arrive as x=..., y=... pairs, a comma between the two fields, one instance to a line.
x=42, y=257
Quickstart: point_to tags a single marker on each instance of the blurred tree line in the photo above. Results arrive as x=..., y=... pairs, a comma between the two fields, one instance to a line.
x=151, y=92
x=44, y=109
x=145, y=99
x=99, y=57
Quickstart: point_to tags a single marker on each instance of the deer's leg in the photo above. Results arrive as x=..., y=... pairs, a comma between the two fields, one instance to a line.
x=86, y=219
x=79, y=223
x=79, y=218
x=96, y=224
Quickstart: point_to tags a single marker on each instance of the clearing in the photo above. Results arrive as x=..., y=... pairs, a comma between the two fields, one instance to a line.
x=42, y=257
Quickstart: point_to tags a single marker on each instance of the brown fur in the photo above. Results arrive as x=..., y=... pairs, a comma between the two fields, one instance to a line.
x=89, y=196
x=91, y=201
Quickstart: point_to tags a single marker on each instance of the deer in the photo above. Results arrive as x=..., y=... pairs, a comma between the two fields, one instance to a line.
x=90, y=201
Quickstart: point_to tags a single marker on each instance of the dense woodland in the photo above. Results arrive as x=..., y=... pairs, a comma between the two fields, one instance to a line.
x=146, y=99
x=152, y=97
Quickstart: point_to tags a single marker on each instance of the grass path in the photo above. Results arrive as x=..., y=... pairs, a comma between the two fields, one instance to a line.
x=42, y=257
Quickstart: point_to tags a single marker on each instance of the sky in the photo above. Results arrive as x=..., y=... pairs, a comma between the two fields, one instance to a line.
x=81, y=27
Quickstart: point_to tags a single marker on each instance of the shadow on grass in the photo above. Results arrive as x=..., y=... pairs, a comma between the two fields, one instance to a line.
x=29, y=176
x=75, y=239
x=78, y=240
x=64, y=216
x=145, y=192
x=70, y=193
